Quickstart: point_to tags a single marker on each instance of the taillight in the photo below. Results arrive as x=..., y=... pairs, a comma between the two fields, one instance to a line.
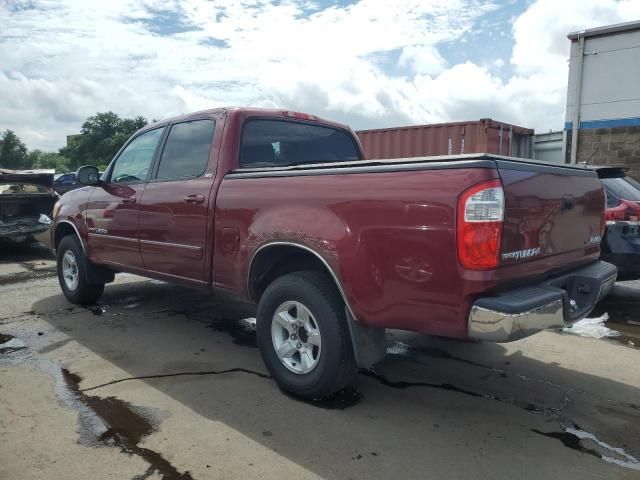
x=480, y=218
x=626, y=211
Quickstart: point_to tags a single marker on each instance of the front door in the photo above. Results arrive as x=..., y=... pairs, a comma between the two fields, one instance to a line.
x=112, y=209
x=174, y=209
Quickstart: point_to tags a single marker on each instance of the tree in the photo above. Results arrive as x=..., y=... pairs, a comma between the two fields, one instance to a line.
x=13, y=153
x=40, y=159
x=100, y=138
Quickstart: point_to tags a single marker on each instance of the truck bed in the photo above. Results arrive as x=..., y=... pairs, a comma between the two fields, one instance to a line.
x=390, y=235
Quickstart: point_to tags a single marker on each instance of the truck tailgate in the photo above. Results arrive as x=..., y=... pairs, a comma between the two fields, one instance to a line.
x=550, y=212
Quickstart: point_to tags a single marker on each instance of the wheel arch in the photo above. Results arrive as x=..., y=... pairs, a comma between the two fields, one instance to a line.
x=275, y=259
x=64, y=228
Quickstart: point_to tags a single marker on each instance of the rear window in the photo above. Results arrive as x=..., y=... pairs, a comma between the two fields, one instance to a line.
x=278, y=143
x=622, y=189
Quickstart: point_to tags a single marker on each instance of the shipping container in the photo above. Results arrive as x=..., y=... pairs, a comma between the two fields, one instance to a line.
x=481, y=136
x=547, y=147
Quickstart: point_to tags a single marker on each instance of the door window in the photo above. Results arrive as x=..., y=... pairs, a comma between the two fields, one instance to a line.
x=132, y=166
x=186, y=152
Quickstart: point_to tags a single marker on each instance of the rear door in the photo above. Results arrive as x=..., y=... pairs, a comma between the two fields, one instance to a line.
x=112, y=209
x=175, y=204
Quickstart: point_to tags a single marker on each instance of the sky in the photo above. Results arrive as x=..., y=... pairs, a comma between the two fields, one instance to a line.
x=366, y=63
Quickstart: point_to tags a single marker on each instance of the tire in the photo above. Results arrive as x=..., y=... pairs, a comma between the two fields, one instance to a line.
x=328, y=351
x=84, y=290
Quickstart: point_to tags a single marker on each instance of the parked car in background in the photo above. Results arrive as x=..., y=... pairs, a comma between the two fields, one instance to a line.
x=621, y=242
x=279, y=207
x=65, y=182
x=26, y=202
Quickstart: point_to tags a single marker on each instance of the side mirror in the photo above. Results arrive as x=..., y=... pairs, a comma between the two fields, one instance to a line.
x=88, y=175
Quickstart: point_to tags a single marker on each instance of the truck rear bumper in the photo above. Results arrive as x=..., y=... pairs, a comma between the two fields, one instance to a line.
x=553, y=303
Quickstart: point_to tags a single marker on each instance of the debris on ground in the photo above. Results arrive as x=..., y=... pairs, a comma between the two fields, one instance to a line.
x=592, y=328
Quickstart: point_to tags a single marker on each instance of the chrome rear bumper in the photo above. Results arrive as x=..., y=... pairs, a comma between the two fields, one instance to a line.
x=554, y=303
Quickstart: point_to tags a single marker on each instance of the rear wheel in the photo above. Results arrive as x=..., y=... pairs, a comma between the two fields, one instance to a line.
x=74, y=273
x=303, y=335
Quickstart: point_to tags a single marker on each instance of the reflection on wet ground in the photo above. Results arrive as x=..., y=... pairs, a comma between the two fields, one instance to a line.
x=577, y=439
x=624, y=316
x=113, y=422
x=102, y=422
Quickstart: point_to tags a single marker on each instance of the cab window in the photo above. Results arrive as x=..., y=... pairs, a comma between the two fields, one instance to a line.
x=132, y=166
x=186, y=151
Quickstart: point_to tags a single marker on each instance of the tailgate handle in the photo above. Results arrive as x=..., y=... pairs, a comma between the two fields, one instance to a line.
x=194, y=198
x=568, y=202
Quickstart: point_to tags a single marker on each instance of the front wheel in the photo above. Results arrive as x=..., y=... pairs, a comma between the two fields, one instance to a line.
x=303, y=335
x=73, y=273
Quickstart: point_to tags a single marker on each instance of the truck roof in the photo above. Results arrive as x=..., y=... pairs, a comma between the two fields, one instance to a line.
x=250, y=112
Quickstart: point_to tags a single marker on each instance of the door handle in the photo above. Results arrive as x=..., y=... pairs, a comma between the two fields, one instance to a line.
x=194, y=198
x=129, y=200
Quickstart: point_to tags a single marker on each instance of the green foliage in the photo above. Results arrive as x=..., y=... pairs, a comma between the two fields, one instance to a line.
x=40, y=159
x=100, y=138
x=13, y=153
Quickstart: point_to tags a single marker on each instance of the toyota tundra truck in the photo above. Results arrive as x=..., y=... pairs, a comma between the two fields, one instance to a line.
x=279, y=207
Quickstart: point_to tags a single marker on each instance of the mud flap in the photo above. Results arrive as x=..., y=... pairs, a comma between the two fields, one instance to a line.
x=369, y=343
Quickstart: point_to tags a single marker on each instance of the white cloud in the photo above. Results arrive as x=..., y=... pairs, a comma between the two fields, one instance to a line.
x=371, y=63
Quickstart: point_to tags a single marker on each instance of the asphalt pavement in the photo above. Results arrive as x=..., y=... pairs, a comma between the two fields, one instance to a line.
x=163, y=382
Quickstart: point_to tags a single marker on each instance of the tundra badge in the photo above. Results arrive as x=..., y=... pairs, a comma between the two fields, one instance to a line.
x=520, y=254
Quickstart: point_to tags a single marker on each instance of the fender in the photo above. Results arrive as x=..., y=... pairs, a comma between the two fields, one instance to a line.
x=368, y=343
x=68, y=222
x=68, y=210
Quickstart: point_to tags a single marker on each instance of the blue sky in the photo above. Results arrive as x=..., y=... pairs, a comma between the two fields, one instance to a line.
x=368, y=63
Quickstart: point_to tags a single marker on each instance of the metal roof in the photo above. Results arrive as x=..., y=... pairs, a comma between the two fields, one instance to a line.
x=605, y=30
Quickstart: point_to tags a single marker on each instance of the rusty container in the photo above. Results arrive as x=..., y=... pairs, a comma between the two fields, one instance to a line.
x=481, y=136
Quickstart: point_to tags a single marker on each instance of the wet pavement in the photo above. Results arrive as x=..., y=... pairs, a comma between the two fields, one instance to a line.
x=159, y=381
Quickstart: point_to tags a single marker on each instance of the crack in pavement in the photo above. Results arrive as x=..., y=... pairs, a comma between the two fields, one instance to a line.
x=179, y=374
x=21, y=277
x=441, y=354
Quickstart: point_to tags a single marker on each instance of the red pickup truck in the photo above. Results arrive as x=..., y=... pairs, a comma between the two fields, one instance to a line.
x=279, y=207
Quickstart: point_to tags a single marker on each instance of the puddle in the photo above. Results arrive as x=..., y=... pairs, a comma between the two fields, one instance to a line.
x=10, y=344
x=99, y=310
x=111, y=422
x=629, y=333
x=585, y=442
x=341, y=400
x=102, y=422
x=242, y=331
x=624, y=316
x=4, y=338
